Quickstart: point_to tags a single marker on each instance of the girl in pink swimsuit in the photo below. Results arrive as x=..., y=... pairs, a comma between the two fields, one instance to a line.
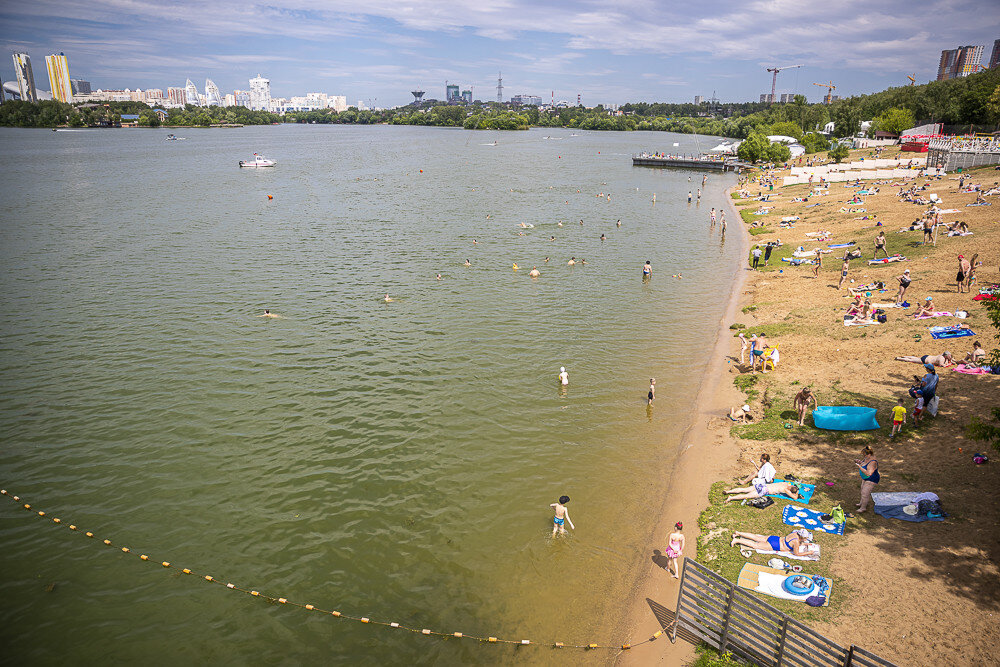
x=675, y=548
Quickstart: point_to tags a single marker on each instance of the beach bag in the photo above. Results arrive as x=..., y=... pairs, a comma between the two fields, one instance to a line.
x=816, y=600
x=760, y=503
x=980, y=459
x=837, y=515
x=881, y=317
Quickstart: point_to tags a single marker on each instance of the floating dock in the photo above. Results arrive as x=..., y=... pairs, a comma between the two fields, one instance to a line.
x=686, y=162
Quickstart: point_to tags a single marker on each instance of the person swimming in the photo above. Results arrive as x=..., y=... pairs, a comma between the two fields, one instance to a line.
x=647, y=270
x=439, y=276
x=619, y=223
x=387, y=299
x=516, y=267
x=268, y=313
x=571, y=262
x=534, y=273
x=467, y=263
x=603, y=238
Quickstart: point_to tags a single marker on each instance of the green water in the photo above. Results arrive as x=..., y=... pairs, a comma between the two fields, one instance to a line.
x=390, y=460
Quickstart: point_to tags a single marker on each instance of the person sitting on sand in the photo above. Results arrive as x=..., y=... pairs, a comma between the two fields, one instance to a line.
x=796, y=542
x=942, y=360
x=765, y=472
x=977, y=356
x=926, y=309
x=801, y=403
x=740, y=415
x=855, y=307
x=760, y=488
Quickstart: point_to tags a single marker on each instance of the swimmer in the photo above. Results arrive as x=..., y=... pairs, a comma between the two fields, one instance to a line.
x=546, y=260
x=475, y=242
x=534, y=273
x=439, y=276
x=619, y=223
x=689, y=194
x=552, y=238
x=387, y=299
x=563, y=376
x=571, y=262
x=581, y=222
x=516, y=267
x=652, y=391
x=559, y=224
x=647, y=269
x=603, y=238
x=561, y=517
x=467, y=263
x=583, y=261
x=268, y=313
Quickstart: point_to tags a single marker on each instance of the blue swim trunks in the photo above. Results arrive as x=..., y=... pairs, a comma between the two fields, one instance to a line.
x=558, y=521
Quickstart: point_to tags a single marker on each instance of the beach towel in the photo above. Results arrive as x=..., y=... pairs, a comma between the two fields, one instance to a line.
x=956, y=233
x=887, y=260
x=790, y=218
x=805, y=492
x=936, y=313
x=950, y=210
x=985, y=203
x=938, y=333
x=814, y=553
x=849, y=321
x=887, y=305
x=841, y=245
x=797, y=261
x=769, y=581
x=891, y=504
x=970, y=370
x=803, y=517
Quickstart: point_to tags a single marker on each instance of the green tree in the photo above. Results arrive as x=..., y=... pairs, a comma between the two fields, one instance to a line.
x=787, y=129
x=839, y=152
x=993, y=105
x=894, y=121
x=753, y=148
x=778, y=153
x=76, y=120
x=815, y=142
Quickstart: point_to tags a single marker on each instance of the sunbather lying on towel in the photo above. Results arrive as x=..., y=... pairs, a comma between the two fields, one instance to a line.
x=942, y=360
x=796, y=542
x=761, y=489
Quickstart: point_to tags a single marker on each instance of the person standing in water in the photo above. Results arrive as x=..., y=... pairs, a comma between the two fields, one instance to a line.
x=563, y=376
x=675, y=548
x=561, y=517
x=647, y=270
x=689, y=196
x=652, y=391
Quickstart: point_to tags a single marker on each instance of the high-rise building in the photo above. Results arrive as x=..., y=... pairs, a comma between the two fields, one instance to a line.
x=80, y=87
x=766, y=98
x=787, y=98
x=229, y=100
x=191, y=93
x=698, y=99
x=962, y=61
x=467, y=96
x=995, y=57
x=451, y=93
x=177, y=95
x=214, y=97
x=152, y=96
x=260, y=93
x=25, y=79
x=58, y=68
x=527, y=100
x=241, y=98
x=338, y=103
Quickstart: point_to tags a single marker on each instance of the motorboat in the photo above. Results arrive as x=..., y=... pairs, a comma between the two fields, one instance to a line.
x=257, y=161
x=171, y=137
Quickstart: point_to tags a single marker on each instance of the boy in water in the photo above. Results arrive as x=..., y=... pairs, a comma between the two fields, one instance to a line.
x=561, y=517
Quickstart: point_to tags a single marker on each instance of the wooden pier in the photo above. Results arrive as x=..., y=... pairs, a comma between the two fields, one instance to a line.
x=686, y=162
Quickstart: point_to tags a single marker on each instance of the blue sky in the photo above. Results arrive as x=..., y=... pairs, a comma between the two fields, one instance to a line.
x=607, y=52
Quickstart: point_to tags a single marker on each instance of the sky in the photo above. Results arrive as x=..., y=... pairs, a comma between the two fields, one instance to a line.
x=605, y=52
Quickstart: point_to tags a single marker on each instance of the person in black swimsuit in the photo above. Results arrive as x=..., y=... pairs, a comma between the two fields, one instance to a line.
x=868, y=470
x=652, y=391
x=880, y=245
x=904, y=282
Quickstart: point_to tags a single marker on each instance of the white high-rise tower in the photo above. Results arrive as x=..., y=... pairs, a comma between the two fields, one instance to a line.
x=260, y=93
x=62, y=89
x=191, y=93
x=25, y=78
x=212, y=94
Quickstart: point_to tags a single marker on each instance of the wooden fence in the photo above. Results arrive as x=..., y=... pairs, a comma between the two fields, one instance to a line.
x=726, y=617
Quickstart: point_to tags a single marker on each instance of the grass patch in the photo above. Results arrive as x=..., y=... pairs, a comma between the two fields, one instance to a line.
x=720, y=520
x=746, y=384
x=737, y=326
x=749, y=309
x=757, y=231
x=748, y=215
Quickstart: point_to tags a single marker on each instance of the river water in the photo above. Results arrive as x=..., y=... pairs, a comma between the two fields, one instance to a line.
x=389, y=460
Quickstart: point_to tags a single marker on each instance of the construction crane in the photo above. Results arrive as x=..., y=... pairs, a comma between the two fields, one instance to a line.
x=828, y=99
x=774, y=79
x=912, y=78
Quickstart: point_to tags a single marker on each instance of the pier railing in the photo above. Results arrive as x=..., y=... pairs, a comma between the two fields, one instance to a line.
x=728, y=618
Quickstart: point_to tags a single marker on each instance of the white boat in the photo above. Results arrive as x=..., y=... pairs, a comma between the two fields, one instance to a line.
x=257, y=161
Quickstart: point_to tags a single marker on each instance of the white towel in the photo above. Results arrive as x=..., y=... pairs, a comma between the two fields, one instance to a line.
x=772, y=585
x=813, y=553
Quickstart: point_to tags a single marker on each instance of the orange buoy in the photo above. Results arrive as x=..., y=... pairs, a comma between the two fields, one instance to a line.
x=421, y=171
x=270, y=197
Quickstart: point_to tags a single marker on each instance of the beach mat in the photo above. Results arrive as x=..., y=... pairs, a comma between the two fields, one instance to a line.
x=805, y=491
x=937, y=313
x=938, y=333
x=970, y=370
x=887, y=260
x=814, y=553
x=768, y=581
x=803, y=517
x=891, y=504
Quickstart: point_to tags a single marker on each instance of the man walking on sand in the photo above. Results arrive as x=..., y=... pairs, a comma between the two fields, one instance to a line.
x=843, y=271
x=964, y=267
x=756, y=256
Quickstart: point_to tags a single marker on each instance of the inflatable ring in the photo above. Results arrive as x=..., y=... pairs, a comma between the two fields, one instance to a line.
x=798, y=584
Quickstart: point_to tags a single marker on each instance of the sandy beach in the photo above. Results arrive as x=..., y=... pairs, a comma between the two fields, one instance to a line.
x=948, y=568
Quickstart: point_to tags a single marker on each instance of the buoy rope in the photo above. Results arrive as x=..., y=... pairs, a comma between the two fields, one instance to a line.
x=313, y=608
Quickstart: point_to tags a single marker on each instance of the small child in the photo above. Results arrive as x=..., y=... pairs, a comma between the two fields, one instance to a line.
x=898, y=418
x=562, y=516
x=652, y=391
x=675, y=548
x=918, y=408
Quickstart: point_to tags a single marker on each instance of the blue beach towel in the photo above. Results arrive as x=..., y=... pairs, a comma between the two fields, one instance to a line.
x=805, y=491
x=891, y=504
x=803, y=517
x=841, y=245
x=950, y=332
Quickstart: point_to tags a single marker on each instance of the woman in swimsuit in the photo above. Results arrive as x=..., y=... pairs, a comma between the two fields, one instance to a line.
x=796, y=542
x=926, y=309
x=904, y=282
x=675, y=548
x=880, y=245
x=868, y=470
x=761, y=488
x=977, y=355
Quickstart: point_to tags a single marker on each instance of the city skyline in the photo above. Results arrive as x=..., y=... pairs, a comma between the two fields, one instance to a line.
x=634, y=51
